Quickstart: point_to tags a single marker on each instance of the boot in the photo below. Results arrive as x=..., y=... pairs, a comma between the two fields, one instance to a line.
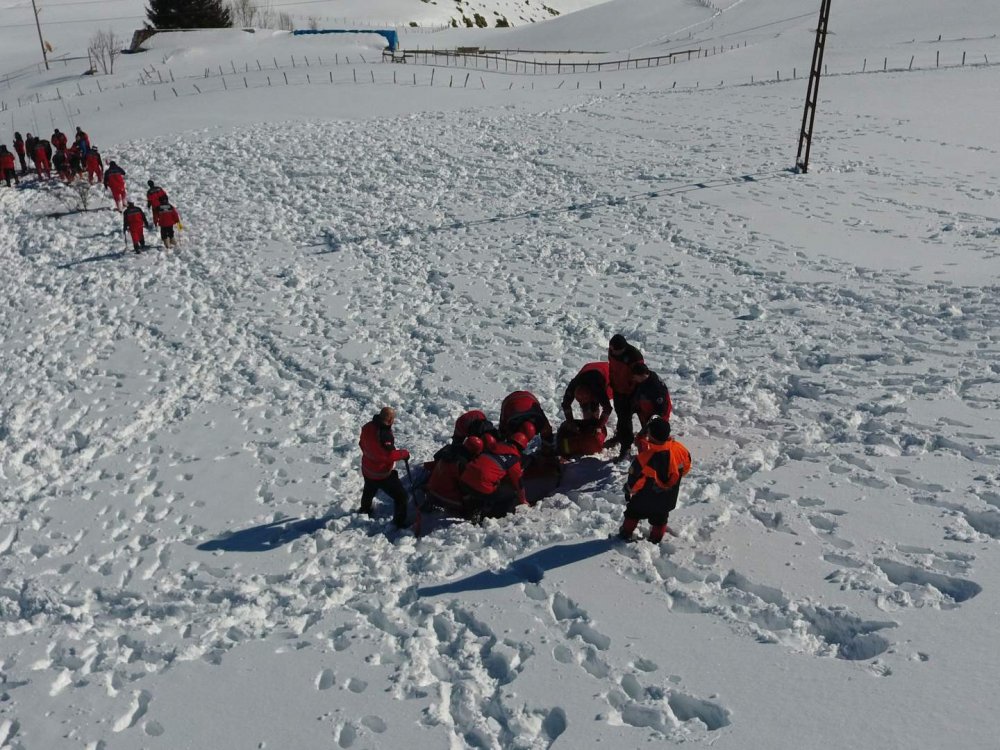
x=656, y=533
x=628, y=526
x=623, y=453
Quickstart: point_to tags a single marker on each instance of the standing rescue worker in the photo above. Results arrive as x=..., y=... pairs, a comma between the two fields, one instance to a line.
x=155, y=194
x=95, y=165
x=114, y=180
x=7, y=171
x=134, y=221
x=654, y=481
x=19, y=148
x=166, y=217
x=621, y=356
x=41, y=154
x=650, y=397
x=59, y=140
x=378, y=456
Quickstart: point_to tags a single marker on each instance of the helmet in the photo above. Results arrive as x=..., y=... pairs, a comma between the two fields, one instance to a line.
x=473, y=445
x=150, y=183
x=489, y=441
x=528, y=430
x=519, y=439
x=658, y=430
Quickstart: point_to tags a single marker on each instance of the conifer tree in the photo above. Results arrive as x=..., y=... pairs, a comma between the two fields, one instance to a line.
x=188, y=14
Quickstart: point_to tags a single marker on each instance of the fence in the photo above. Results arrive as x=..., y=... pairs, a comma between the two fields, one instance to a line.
x=258, y=74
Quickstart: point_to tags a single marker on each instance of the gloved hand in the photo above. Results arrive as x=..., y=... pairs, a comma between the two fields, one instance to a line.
x=180, y=226
x=403, y=455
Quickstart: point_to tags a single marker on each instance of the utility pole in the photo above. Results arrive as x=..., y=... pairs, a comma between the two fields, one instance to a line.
x=812, y=95
x=41, y=41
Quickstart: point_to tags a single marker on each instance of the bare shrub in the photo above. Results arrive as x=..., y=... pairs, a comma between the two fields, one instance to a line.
x=104, y=48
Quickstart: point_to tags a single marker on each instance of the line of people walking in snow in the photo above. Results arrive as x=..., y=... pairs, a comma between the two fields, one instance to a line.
x=482, y=471
x=71, y=160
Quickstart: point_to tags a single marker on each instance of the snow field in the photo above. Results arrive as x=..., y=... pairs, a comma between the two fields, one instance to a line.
x=179, y=431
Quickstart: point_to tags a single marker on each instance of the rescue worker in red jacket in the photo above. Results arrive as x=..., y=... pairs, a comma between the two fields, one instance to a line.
x=520, y=407
x=155, y=194
x=473, y=422
x=650, y=397
x=42, y=155
x=7, y=170
x=134, y=221
x=591, y=389
x=114, y=180
x=444, y=483
x=20, y=150
x=166, y=218
x=95, y=166
x=378, y=457
x=492, y=480
x=621, y=356
x=59, y=140
x=654, y=481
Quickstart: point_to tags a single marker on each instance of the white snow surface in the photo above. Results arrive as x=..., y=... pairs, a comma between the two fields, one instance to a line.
x=181, y=566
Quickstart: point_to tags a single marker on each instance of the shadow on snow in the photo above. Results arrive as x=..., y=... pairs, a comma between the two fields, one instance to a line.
x=266, y=537
x=530, y=569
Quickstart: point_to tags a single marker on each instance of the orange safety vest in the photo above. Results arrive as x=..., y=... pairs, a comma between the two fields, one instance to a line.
x=680, y=464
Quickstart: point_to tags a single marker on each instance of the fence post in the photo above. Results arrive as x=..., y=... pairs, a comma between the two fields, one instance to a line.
x=224, y=85
x=175, y=92
x=355, y=75
x=245, y=84
x=432, y=76
x=885, y=64
x=937, y=62
x=911, y=62
x=286, y=77
x=373, y=75
x=963, y=58
x=466, y=85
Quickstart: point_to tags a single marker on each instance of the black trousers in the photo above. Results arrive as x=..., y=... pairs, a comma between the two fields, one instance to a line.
x=392, y=487
x=166, y=233
x=623, y=412
x=654, y=506
x=8, y=175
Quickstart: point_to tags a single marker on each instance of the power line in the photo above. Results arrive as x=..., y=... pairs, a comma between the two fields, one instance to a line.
x=79, y=20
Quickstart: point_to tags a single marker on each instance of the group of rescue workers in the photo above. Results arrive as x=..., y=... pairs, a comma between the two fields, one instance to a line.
x=71, y=160
x=482, y=471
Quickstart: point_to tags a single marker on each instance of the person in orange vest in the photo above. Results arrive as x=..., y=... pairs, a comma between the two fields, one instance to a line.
x=492, y=479
x=654, y=481
x=7, y=170
x=166, y=218
x=378, y=457
x=134, y=221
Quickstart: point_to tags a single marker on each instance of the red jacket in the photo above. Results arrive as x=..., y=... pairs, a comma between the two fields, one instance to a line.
x=165, y=215
x=651, y=399
x=378, y=450
x=114, y=179
x=489, y=469
x=19, y=147
x=620, y=369
x=59, y=141
x=134, y=219
x=594, y=378
x=6, y=161
x=94, y=163
x=520, y=407
x=154, y=196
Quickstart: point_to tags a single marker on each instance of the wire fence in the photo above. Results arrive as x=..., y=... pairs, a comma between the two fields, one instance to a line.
x=446, y=68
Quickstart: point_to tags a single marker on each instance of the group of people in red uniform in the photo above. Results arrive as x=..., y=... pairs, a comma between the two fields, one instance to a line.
x=481, y=472
x=134, y=219
x=72, y=160
x=69, y=160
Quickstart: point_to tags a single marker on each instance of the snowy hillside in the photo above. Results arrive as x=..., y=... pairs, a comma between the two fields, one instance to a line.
x=181, y=563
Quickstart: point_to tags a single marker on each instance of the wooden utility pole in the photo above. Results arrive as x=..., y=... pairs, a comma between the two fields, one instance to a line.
x=41, y=41
x=812, y=95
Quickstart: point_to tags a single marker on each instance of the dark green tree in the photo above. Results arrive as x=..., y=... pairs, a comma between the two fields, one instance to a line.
x=188, y=14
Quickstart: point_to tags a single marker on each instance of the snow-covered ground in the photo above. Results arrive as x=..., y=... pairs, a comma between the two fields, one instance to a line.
x=178, y=431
